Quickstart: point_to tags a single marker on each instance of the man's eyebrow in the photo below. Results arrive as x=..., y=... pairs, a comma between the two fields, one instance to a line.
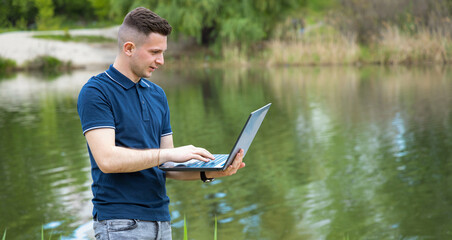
x=156, y=50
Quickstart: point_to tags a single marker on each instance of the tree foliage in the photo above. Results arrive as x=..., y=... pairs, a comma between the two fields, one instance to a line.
x=217, y=21
x=209, y=21
x=214, y=22
x=366, y=18
x=45, y=18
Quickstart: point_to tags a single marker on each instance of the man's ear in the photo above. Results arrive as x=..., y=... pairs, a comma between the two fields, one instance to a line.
x=128, y=48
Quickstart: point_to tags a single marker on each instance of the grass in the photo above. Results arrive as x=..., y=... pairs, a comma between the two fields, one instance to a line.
x=7, y=65
x=234, y=55
x=67, y=37
x=327, y=46
x=318, y=45
x=397, y=47
x=65, y=24
x=47, y=64
x=44, y=64
x=317, y=52
x=186, y=231
x=78, y=38
x=42, y=234
x=11, y=29
x=215, y=232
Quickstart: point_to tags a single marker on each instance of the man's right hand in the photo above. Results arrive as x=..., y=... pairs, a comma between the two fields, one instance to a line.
x=185, y=153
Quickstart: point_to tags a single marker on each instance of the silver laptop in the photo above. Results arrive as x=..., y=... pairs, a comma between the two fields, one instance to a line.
x=222, y=161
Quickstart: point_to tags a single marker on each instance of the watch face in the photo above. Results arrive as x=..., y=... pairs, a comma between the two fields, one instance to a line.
x=205, y=179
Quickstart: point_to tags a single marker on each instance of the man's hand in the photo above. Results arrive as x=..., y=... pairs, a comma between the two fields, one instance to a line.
x=185, y=153
x=232, y=169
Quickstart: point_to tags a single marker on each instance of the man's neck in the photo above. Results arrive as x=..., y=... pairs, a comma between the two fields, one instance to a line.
x=124, y=68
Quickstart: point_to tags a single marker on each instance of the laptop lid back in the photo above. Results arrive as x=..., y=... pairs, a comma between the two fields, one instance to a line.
x=248, y=133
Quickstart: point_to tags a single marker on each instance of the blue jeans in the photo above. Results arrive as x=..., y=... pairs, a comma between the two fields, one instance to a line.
x=125, y=229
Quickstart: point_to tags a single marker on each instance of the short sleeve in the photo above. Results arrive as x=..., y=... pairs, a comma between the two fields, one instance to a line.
x=166, y=125
x=94, y=109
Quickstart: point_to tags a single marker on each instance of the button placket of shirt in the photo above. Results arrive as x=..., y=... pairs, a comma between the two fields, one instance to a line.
x=144, y=109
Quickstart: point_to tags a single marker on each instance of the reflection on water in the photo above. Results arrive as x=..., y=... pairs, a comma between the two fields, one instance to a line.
x=45, y=176
x=344, y=153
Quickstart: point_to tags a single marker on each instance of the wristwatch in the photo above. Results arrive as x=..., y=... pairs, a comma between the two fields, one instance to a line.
x=205, y=179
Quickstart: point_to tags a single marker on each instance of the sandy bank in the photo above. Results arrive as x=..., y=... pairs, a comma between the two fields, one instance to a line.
x=21, y=46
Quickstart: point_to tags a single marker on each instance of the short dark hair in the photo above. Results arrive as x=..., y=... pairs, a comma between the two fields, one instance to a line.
x=145, y=21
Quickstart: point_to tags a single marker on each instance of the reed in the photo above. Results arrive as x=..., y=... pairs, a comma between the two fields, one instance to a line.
x=393, y=46
x=325, y=48
x=215, y=232
x=424, y=46
x=234, y=55
x=185, y=229
x=42, y=234
x=186, y=232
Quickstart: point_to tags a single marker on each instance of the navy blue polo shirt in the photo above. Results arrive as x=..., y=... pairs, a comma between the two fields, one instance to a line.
x=139, y=114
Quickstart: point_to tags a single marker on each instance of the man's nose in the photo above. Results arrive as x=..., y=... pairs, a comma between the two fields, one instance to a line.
x=160, y=60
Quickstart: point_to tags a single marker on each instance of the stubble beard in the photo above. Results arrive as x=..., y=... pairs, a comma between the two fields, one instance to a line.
x=140, y=71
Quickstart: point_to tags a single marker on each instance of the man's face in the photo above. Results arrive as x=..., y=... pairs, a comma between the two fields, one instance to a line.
x=148, y=55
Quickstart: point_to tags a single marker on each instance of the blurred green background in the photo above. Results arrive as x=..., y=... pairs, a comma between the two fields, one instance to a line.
x=334, y=31
x=357, y=143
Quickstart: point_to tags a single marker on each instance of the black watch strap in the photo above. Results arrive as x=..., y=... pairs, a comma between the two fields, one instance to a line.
x=204, y=177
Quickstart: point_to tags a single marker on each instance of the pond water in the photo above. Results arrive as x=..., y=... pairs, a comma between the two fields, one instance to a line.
x=344, y=153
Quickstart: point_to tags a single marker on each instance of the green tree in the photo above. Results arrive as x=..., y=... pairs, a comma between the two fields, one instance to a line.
x=17, y=13
x=119, y=8
x=217, y=21
x=80, y=10
x=45, y=18
x=101, y=8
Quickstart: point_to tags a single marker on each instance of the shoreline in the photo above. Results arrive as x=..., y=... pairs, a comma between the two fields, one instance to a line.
x=23, y=49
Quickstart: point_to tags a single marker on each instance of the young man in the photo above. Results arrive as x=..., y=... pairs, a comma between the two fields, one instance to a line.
x=126, y=122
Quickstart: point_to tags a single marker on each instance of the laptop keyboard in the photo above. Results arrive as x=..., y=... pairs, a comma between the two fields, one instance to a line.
x=220, y=160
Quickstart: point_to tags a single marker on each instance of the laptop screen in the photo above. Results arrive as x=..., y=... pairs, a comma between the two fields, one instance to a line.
x=244, y=141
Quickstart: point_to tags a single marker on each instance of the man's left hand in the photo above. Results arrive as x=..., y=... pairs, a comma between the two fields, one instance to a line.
x=232, y=169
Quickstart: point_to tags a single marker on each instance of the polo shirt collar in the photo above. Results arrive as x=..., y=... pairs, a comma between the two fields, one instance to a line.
x=144, y=84
x=122, y=80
